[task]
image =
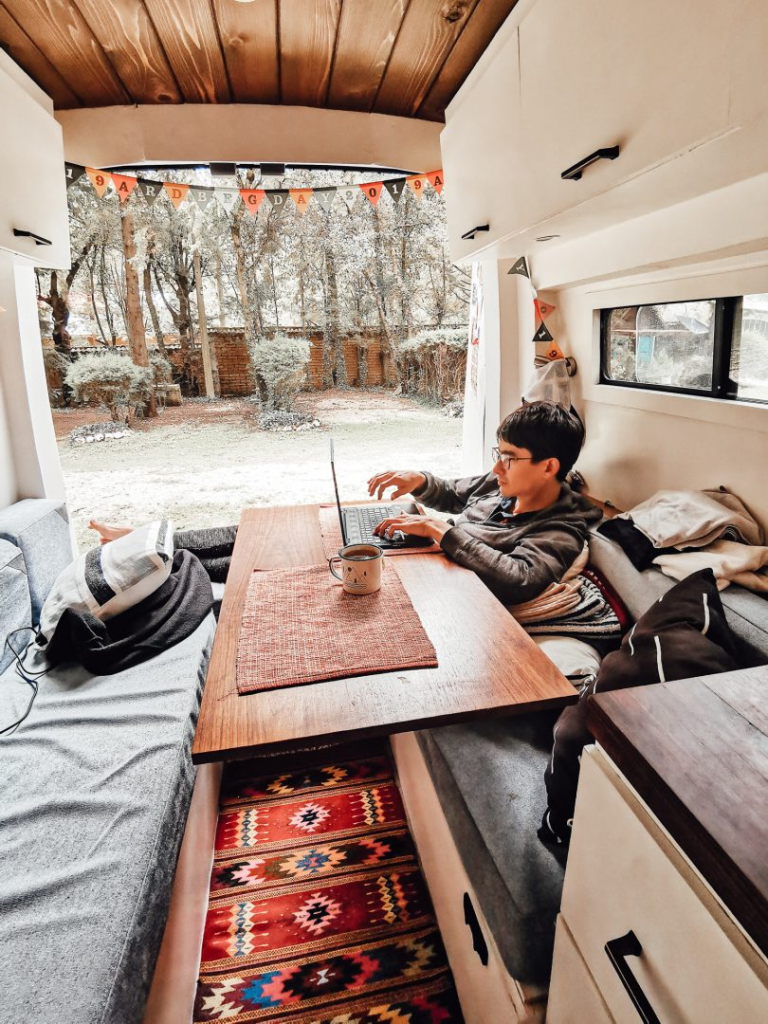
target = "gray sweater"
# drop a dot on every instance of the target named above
(517, 559)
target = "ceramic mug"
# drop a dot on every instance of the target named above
(360, 568)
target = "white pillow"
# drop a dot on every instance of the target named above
(111, 578)
(573, 657)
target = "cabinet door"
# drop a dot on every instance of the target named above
(573, 995)
(32, 186)
(652, 77)
(624, 874)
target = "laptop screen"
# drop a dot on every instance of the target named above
(338, 502)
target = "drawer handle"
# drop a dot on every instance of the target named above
(618, 950)
(39, 240)
(471, 233)
(478, 939)
(574, 173)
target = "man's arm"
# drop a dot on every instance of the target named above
(517, 576)
(442, 495)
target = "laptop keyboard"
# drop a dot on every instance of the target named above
(361, 521)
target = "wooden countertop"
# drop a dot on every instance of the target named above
(696, 751)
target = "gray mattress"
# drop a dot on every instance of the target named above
(96, 785)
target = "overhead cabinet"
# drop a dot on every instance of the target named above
(563, 80)
(33, 203)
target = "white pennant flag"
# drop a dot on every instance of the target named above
(350, 194)
(228, 198)
(325, 198)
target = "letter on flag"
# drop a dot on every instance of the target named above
(175, 193)
(301, 197)
(520, 267)
(417, 182)
(252, 197)
(124, 185)
(436, 180)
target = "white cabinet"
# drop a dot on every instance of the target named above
(674, 85)
(32, 187)
(626, 875)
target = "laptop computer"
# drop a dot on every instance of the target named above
(357, 521)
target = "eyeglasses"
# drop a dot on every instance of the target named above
(507, 460)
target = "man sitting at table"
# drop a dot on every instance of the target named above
(520, 527)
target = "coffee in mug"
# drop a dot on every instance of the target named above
(360, 566)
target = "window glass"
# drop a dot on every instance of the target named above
(749, 353)
(670, 344)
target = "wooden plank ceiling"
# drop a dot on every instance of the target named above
(405, 57)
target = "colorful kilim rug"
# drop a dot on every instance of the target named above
(318, 911)
(313, 982)
(320, 860)
(278, 824)
(240, 788)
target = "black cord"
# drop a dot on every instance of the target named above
(31, 679)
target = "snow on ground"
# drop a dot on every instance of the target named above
(203, 463)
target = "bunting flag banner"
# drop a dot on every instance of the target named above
(542, 334)
(349, 194)
(521, 267)
(202, 196)
(253, 198)
(266, 199)
(543, 309)
(279, 200)
(325, 198)
(149, 189)
(175, 192)
(435, 178)
(372, 191)
(73, 173)
(99, 180)
(228, 198)
(395, 188)
(554, 352)
(124, 185)
(301, 197)
(417, 182)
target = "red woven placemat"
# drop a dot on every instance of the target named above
(330, 534)
(299, 626)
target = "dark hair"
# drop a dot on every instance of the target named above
(548, 431)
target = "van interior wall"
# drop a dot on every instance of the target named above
(639, 442)
(7, 469)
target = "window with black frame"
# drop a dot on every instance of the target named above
(714, 347)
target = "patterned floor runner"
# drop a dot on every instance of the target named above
(318, 912)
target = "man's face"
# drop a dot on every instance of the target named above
(516, 471)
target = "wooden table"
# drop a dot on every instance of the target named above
(487, 664)
(696, 751)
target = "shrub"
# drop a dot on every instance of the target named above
(162, 370)
(281, 363)
(433, 363)
(277, 419)
(112, 380)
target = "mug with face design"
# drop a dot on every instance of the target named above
(360, 568)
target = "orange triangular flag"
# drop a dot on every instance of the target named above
(554, 351)
(436, 179)
(301, 197)
(543, 309)
(252, 197)
(124, 185)
(417, 182)
(176, 193)
(372, 191)
(99, 180)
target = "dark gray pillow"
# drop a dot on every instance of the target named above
(683, 634)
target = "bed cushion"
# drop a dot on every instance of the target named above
(96, 788)
(15, 606)
(39, 527)
(489, 778)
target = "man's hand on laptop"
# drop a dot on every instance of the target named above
(416, 526)
(404, 481)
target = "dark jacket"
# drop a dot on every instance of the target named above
(517, 560)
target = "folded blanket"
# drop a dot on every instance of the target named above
(694, 519)
(745, 564)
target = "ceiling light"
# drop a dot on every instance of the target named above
(546, 238)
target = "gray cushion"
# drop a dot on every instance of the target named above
(747, 613)
(489, 777)
(96, 788)
(40, 528)
(15, 607)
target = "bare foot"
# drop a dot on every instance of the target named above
(107, 533)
